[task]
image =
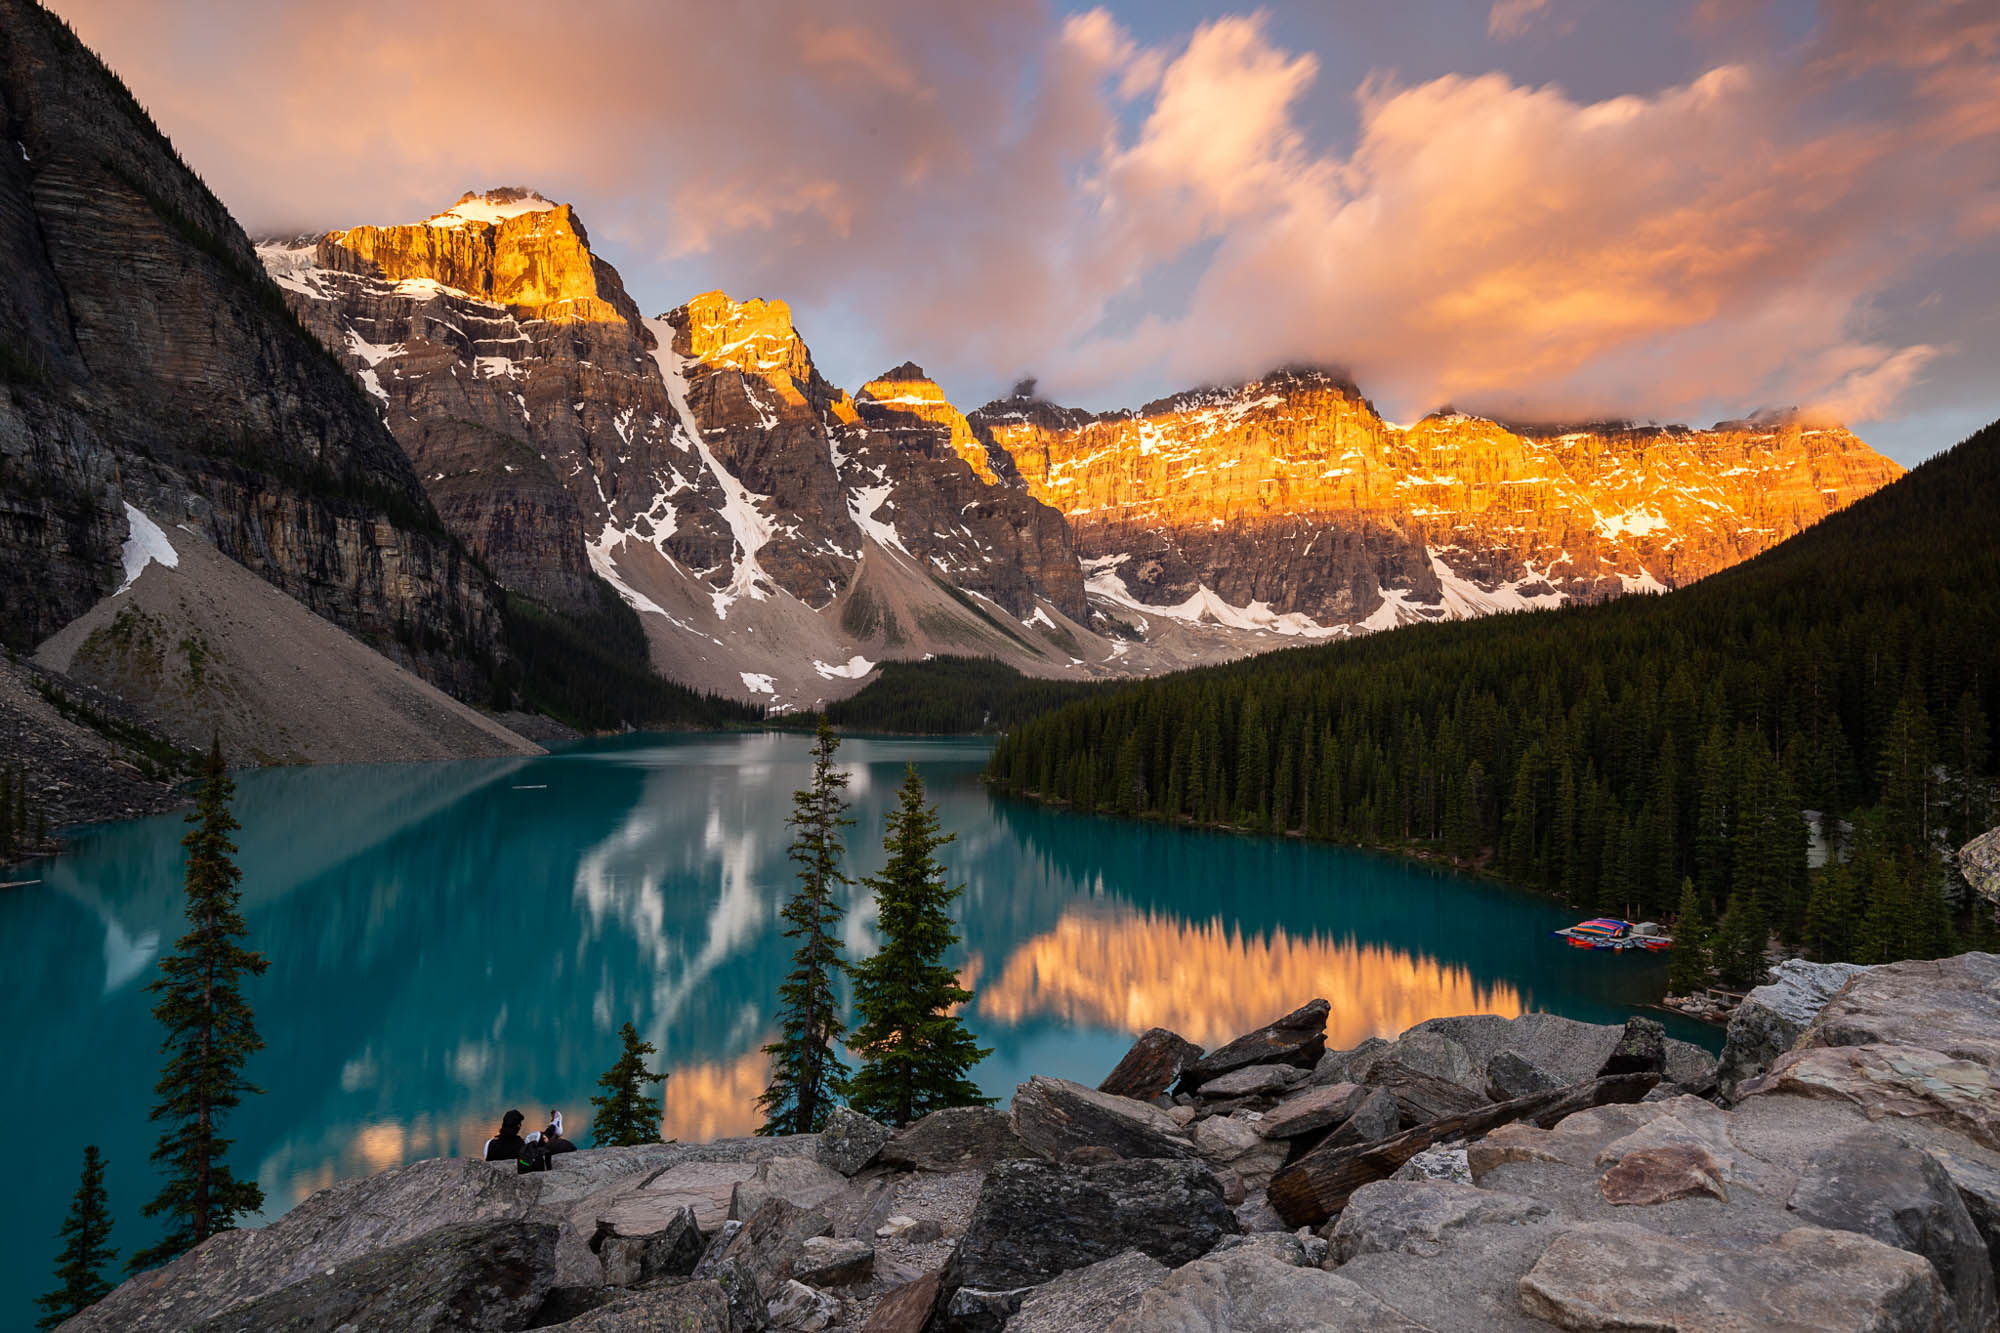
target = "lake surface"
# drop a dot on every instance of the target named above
(450, 940)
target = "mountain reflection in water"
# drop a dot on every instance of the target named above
(448, 941)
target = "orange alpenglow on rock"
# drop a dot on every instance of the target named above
(907, 392)
(510, 247)
(755, 338)
(1292, 491)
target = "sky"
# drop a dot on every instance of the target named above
(1535, 209)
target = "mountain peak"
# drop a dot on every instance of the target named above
(491, 207)
(908, 372)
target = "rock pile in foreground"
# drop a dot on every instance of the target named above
(1476, 1173)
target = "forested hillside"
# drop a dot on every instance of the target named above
(1609, 753)
(951, 696)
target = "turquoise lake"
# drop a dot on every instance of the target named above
(451, 940)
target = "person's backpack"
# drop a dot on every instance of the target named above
(534, 1157)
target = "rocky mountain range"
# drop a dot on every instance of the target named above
(146, 362)
(781, 536)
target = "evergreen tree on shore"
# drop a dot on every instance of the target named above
(915, 1053)
(210, 1034)
(806, 1075)
(625, 1116)
(1687, 961)
(86, 1238)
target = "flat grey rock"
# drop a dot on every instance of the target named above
(1772, 1017)
(1253, 1081)
(1084, 1300)
(1948, 1005)
(1873, 1183)
(1055, 1116)
(685, 1307)
(455, 1279)
(1422, 1216)
(959, 1138)
(802, 1181)
(1250, 1291)
(1809, 1280)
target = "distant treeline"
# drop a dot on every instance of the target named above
(951, 695)
(594, 672)
(1607, 753)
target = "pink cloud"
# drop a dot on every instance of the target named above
(978, 185)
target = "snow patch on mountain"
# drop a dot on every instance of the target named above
(144, 544)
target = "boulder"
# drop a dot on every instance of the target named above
(1657, 1175)
(1979, 864)
(976, 1310)
(1253, 1081)
(1772, 1018)
(684, 1307)
(1156, 1059)
(1509, 1074)
(907, 1309)
(1422, 1097)
(671, 1251)
(1433, 1053)
(771, 1243)
(473, 1275)
(1949, 1005)
(335, 1226)
(1422, 1217)
(1886, 1081)
(797, 1180)
(1348, 1066)
(1314, 1111)
(1249, 1290)
(1085, 1299)
(797, 1306)
(959, 1138)
(1875, 1184)
(1377, 1117)
(850, 1140)
(825, 1261)
(917, 1231)
(705, 1186)
(718, 1243)
(1053, 1115)
(1616, 1275)
(1235, 1144)
(1641, 1049)
(1035, 1220)
(1446, 1165)
(1300, 1249)
(1978, 1186)
(1299, 1038)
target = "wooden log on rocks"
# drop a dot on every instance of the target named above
(1317, 1186)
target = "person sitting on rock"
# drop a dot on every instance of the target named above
(552, 1135)
(506, 1145)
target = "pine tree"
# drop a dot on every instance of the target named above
(806, 1075)
(210, 1034)
(625, 1116)
(915, 1053)
(86, 1238)
(1687, 961)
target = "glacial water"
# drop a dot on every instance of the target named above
(451, 940)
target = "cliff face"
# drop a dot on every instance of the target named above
(918, 468)
(145, 355)
(515, 373)
(1294, 493)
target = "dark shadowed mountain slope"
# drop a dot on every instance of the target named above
(146, 360)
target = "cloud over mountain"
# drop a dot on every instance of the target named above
(1003, 189)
